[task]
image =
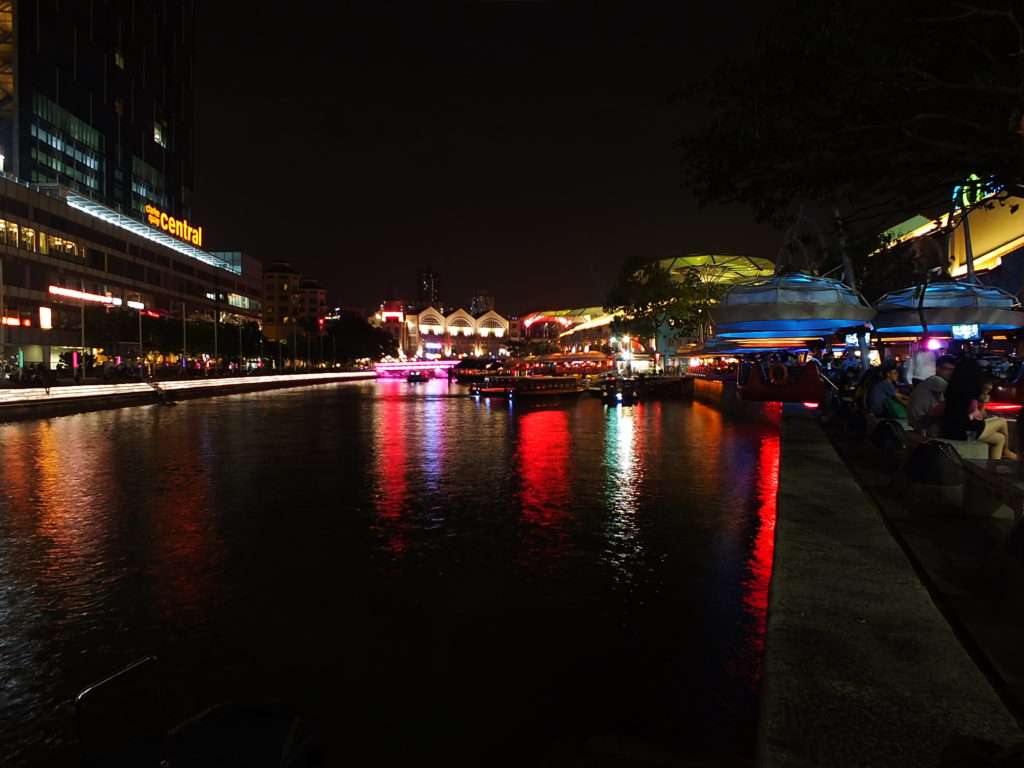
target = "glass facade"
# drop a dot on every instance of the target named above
(148, 186)
(34, 241)
(66, 150)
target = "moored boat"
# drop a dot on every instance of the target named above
(514, 387)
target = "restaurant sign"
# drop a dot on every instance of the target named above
(179, 228)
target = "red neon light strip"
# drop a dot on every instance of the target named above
(1006, 407)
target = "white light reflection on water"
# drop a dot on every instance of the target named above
(624, 479)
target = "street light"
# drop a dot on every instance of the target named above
(138, 306)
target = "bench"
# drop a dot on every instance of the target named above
(991, 486)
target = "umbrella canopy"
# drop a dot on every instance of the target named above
(716, 268)
(789, 305)
(946, 304)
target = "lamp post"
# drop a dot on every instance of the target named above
(3, 315)
(184, 340)
(82, 361)
(138, 306)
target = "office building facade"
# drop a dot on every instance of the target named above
(65, 259)
(428, 289)
(98, 98)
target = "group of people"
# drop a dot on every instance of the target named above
(29, 375)
(948, 400)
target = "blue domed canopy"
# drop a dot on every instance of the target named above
(946, 304)
(792, 304)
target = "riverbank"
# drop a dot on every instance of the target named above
(29, 403)
(861, 667)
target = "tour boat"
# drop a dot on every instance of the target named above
(621, 391)
(515, 387)
(418, 377)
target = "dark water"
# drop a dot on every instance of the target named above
(423, 576)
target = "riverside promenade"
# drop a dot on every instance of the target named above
(861, 667)
(34, 402)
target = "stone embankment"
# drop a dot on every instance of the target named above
(37, 402)
(861, 667)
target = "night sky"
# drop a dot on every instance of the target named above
(523, 147)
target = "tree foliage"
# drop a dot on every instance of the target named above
(876, 108)
(352, 338)
(656, 304)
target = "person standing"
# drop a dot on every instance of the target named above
(921, 364)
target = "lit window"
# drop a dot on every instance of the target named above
(119, 59)
(160, 133)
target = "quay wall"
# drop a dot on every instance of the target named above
(722, 394)
(860, 666)
(19, 404)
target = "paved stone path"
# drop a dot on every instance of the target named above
(861, 668)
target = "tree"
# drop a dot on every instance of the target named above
(653, 303)
(872, 110)
(353, 338)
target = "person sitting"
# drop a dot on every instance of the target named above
(884, 400)
(927, 401)
(965, 417)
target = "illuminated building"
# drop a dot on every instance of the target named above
(482, 301)
(98, 98)
(61, 251)
(310, 302)
(997, 241)
(280, 289)
(391, 317)
(432, 333)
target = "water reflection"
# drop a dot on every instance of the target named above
(543, 463)
(391, 466)
(762, 553)
(242, 539)
(624, 462)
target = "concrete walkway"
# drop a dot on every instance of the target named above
(861, 668)
(33, 402)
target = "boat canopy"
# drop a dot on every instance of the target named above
(946, 304)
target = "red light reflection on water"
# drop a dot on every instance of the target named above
(763, 550)
(543, 461)
(392, 484)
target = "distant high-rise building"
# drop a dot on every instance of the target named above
(429, 289)
(482, 301)
(97, 97)
(280, 293)
(311, 302)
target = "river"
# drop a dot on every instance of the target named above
(420, 575)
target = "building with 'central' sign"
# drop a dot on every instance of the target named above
(180, 228)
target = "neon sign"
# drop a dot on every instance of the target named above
(180, 228)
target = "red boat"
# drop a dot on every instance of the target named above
(780, 383)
